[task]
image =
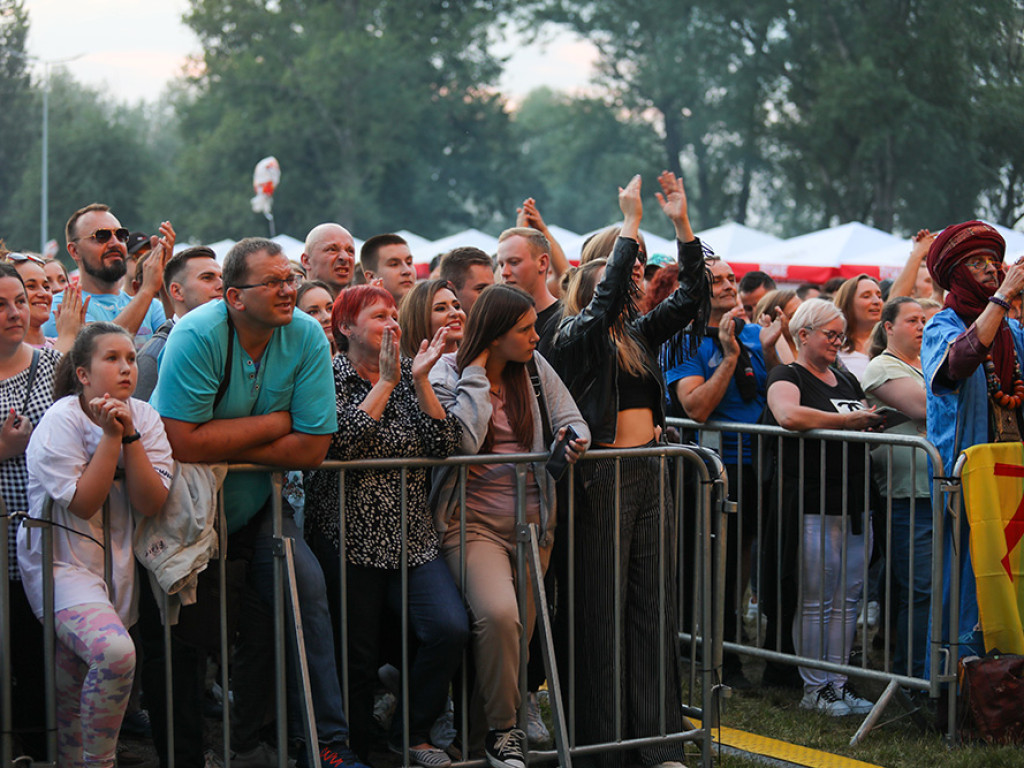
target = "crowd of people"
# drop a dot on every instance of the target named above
(123, 388)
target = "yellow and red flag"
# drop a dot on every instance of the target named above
(993, 478)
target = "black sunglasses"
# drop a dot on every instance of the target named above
(104, 234)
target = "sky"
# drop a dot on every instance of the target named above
(132, 48)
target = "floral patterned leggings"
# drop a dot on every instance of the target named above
(95, 668)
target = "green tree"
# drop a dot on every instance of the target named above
(19, 120)
(577, 152)
(98, 152)
(379, 113)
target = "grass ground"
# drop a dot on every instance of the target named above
(895, 742)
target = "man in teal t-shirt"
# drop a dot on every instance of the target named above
(248, 379)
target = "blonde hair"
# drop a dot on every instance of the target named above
(629, 354)
(812, 314)
(601, 244)
(768, 303)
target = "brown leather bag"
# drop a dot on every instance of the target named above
(991, 705)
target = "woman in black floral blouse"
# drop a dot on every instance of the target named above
(387, 408)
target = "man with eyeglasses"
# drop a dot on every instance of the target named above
(330, 256)
(726, 380)
(98, 244)
(249, 379)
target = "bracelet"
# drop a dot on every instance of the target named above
(1000, 301)
(130, 438)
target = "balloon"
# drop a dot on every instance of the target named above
(265, 179)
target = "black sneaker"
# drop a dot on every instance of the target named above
(504, 748)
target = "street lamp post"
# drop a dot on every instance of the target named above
(44, 185)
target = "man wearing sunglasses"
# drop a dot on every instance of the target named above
(99, 245)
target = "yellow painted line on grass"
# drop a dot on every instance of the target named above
(782, 750)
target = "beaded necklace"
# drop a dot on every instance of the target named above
(995, 390)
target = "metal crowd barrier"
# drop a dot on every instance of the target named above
(704, 623)
(932, 501)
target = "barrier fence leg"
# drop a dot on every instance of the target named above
(285, 547)
(528, 535)
(6, 738)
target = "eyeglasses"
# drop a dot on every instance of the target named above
(274, 283)
(103, 235)
(977, 265)
(19, 258)
(832, 336)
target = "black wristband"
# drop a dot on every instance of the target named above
(130, 438)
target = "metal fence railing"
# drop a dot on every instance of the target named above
(927, 669)
(702, 614)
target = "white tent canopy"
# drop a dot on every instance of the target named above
(817, 256)
(467, 238)
(732, 239)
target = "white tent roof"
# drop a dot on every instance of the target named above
(728, 240)
(467, 238)
(817, 256)
(292, 247)
(415, 241)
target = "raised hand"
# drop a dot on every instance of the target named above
(672, 200)
(631, 205)
(773, 329)
(727, 333)
(429, 353)
(70, 317)
(389, 364)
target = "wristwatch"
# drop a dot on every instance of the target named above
(130, 438)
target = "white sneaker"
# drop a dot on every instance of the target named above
(827, 700)
(871, 611)
(856, 704)
(752, 611)
(536, 731)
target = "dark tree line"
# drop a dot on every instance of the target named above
(784, 114)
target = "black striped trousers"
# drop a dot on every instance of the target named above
(644, 538)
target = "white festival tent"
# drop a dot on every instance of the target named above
(467, 238)
(818, 256)
(730, 240)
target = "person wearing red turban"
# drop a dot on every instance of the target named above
(971, 354)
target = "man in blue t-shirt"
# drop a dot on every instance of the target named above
(99, 245)
(726, 381)
(249, 379)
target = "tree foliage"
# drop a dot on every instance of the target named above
(377, 112)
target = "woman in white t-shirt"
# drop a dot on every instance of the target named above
(94, 435)
(894, 378)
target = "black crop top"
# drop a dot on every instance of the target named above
(637, 391)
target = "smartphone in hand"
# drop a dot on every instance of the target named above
(557, 463)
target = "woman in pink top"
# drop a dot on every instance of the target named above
(487, 386)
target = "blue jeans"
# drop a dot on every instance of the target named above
(254, 630)
(913, 587)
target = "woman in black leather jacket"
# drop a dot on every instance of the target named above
(607, 353)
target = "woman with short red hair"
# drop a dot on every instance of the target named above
(387, 409)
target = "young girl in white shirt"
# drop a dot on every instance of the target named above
(94, 443)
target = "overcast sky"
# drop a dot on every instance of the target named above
(134, 47)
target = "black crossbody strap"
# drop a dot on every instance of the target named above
(535, 380)
(223, 388)
(33, 366)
